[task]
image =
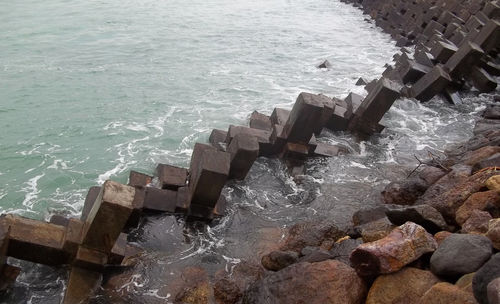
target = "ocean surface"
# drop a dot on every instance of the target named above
(92, 89)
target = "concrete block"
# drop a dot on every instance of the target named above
(474, 23)
(160, 200)
(492, 9)
(59, 219)
(488, 38)
(466, 56)
(201, 212)
(413, 71)
(452, 96)
(353, 101)
(82, 284)
(326, 150)
(220, 207)
(260, 121)
(378, 101)
(218, 139)
(431, 84)
(263, 137)
(244, 151)
(361, 81)
(73, 236)
(90, 259)
(137, 179)
(459, 37)
(492, 68)
(122, 249)
(4, 242)
(36, 241)
(171, 177)
(305, 117)
(183, 200)
(423, 57)
(369, 86)
(337, 121)
(295, 151)
(442, 51)
(108, 216)
(433, 26)
(278, 139)
(209, 172)
(279, 116)
(328, 110)
(481, 80)
(89, 201)
(8, 275)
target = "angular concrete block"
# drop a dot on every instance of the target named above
(433, 26)
(159, 200)
(452, 96)
(108, 216)
(209, 171)
(413, 71)
(90, 259)
(492, 9)
(369, 86)
(244, 151)
(488, 38)
(481, 80)
(260, 121)
(73, 236)
(431, 84)
(442, 51)
(218, 139)
(201, 212)
(337, 121)
(466, 56)
(89, 201)
(353, 102)
(82, 284)
(378, 101)
(122, 250)
(326, 150)
(474, 23)
(328, 110)
(4, 241)
(278, 139)
(295, 151)
(423, 57)
(183, 200)
(36, 241)
(220, 207)
(279, 116)
(59, 219)
(137, 179)
(263, 137)
(305, 117)
(171, 177)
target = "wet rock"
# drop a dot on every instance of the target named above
(441, 236)
(314, 283)
(493, 291)
(493, 183)
(492, 112)
(465, 282)
(449, 201)
(368, 215)
(324, 65)
(477, 222)
(404, 193)
(493, 232)
(192, 287)
(423, 215)
(229, 287)
(277, 260)
(341, 251)
(459, 254)
(310, 234)
(431, 174)
(405, 286)
(402, 246)
(487, 200)
(376, 230)
(314, 255)
(473, 157)
(492, 161)
(446, 293)
(489, 272)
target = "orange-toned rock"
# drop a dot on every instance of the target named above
(494, 232)
(473, 157)
(310, 234)
(405, 286)
(229, 287)
(193, 287)
(402, 246)
(478, 201)
(448, 202)
(477, 222)
(441, 236)
(465, 282)
(493, 183)
(376, 230)
(326, 282)
(446, 293)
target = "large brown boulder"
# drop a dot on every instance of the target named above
(375, 230)
(310, 234)
(327, 282)
(458, 174)
(402, 246)
(192, 287)
(277, 260)
(487, 200)
(446, 293)
(493, 232)
(405, 286)
(473, 157)
(493, 183)
(405, 192)
(229, 287)
(477, 222)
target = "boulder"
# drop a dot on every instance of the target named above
(459, 254)
(327, 282)
(423, 215)
(405, 286)
(310, 234)
(402, 246)
(191, 287)
(341, 251)
(473, 157)
(229, 287)
(465, 282)
(368, 215)
(277, 260)
(487, 273)
(441, 236)
(493, 291)
(404, 193)
(493, 232)
(493, 183)
(487, 200)
(446, 293)
(314, 254)
(375, 230)
(431, 174)
(477, 222)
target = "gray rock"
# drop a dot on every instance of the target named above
(405, 192)
(277, 260)
(494, 291)
(424, 215)
(314, 254)
(459, 254)
(368, 215)
(341, 251)
(489, 272)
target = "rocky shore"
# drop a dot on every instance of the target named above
(436, 238)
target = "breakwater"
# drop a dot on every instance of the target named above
(293, 144)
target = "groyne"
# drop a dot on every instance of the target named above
(456, 44)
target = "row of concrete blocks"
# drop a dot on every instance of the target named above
(450, 52)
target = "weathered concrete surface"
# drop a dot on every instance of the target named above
(244, 151)
(81, 285)
(171, 177)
